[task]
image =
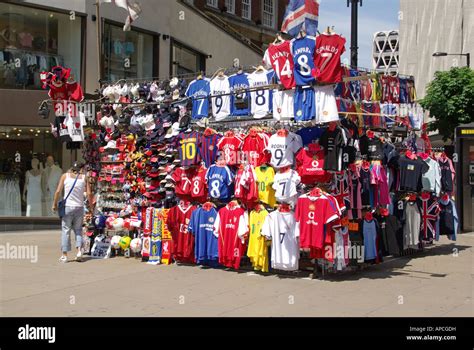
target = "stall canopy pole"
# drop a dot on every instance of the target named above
(354, 30)
(99, 40)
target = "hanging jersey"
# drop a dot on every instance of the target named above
(333, 143)
(246, 185)
(240, 104)
(285, 186)
(199, 91)
(260, 99)
(205, 242)
(303, 56)
(220, 104)
(229, 147)
(230, 227)
(310, 166)
(182, 177)
(198, 185)
(283, 149)
(188, 148)
(219, 181)
(327, 58)
(281, 228)
(304, 107)
(310, 135)
(208, 149)
(183, 242)
(257, 250)
(265, 177)
(283, 105)
(253, 148)
(312, 214)
(280, 58)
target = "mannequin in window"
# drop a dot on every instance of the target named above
(50, 180)
(32, 190)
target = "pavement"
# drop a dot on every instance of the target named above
(435, 283)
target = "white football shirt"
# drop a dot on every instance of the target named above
(284, 233)
(285, 185)
(283, 149)
(220, 104)
(260, 99)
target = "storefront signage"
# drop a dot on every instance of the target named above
(465, 132)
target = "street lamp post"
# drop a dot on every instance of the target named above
(442, 54)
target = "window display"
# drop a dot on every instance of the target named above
(29, 171)
(33, 41)
(127, 54)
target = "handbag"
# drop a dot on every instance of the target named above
(62, 203)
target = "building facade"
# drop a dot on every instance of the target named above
(385, 52)
(429, 26)
(426, 27)
(168, 39)
(256, 20)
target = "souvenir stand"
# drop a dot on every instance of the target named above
(299, 162)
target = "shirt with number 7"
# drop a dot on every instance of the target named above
(199, 91)
(327, 58)
(285, 186)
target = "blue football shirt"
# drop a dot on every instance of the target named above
(199, 91)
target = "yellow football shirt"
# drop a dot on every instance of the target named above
(257, 249)
(266, 193)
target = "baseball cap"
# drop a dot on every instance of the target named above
(173, 131)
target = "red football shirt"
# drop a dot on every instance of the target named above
(310, 167)
(254, 149)
(327, 58)
(182, 178)
(279, 57)
(230, 147)
(312, 214)
(230, 226)
(198, 185)
(177, 222)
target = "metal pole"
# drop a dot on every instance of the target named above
(354, 30)
(468, 60)
(99, 40)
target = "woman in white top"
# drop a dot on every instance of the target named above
(74, 217)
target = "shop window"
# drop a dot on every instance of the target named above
(34, 40)
(30, 169)
(186, 60)
(127, 54)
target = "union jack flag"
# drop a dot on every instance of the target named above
(301, 14)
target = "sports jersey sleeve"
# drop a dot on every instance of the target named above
(217, 224)
(176, 176)
(243, 226)
(266, 60)
(192, 227)
(267, 227)
(330, 212)
(208, 173)
(230, 177)
(298, 144)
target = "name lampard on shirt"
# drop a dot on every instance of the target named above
(302, 50)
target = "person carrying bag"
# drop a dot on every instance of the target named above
(71, 208)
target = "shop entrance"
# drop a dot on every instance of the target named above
(465, 176)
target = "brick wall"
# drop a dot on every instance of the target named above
(256, 9)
